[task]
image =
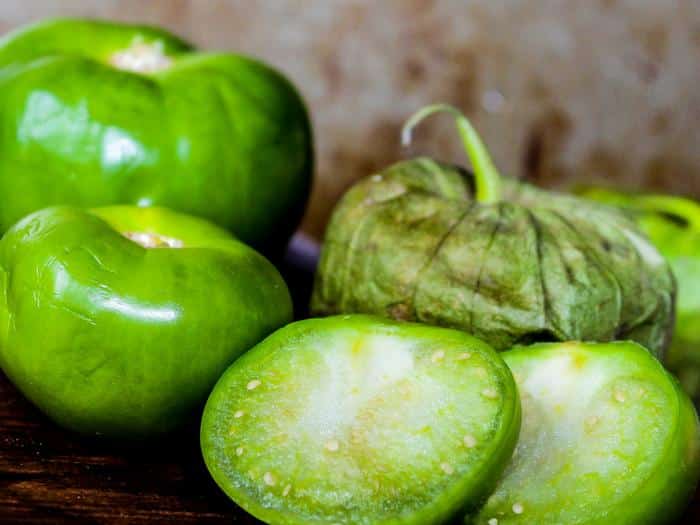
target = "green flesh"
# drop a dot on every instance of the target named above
(219, 136)
(109, 337)
(673, 225)
(359, 420)
(608, 437)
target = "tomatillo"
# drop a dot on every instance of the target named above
(361, 420)
(98, 113)
(608, 438)
(673, 225)
(493, 256)
(119, 320)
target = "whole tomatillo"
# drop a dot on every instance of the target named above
(98, 113)
(118, 321)
(491, 255)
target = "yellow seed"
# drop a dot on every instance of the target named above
(239, 413)
(332, 445)
(518, 508)
(232, 430)
(489, 393)
(239, 451)
(469, 441)
(463, 356)
(438, 356)
(269, 479)
(619, 396)
(255, 383)
(447, 468)
(286, 490)
(592, 421)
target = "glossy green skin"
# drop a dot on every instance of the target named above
(608, 438)
(215, 135)
(412, 243)
(266, 421)
(673, 225)
(108, 337)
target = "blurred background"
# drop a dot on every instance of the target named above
(563, 91)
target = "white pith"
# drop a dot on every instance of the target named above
(354, 381)
(142, 57)
(153, 240)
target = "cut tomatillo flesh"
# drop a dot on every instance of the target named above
(608, 438)
(360, 420)
(98, 113)
(118, 321)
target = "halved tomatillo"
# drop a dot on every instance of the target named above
(360, 420)
(608, 438)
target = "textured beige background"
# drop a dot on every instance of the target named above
(562, 90)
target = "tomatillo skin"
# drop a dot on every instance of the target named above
(118, 321)
(608, 438)
(361, 420)
(97, 113)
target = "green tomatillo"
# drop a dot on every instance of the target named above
(361, 420)
(673, 225)
(608, 438)
(96, 113)
(491, 255)
(118, 321)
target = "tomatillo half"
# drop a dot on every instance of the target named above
(361, 420)
(119, 320)
(98, 113)
(608, 438)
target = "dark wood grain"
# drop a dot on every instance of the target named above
(48, 475)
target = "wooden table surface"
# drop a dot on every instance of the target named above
(48, 475)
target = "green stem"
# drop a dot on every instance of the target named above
(486, 177)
